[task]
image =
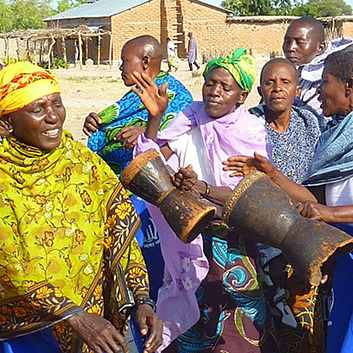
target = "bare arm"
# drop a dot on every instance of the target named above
(243, 165)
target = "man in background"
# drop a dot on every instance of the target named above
(192, 52)
(171, 55)
(304, 45)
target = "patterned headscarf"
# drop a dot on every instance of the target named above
(240, 65)
(22, 83)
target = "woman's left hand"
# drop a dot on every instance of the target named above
(154, 98)
(148, 321)
(185, 178)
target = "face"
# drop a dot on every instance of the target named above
(301, 44)
(332, 95)
(40, 123)
(130, 63)
(279, 87)
(221, 93)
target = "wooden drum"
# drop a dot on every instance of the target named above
(148, 177)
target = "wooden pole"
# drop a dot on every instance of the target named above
(50, 50)
(64, 51)
(99, 50)
(18, 49)
(80, 48)
(110, 49)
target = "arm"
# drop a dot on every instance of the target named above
(187, 179)
(319, 212)
(244, 165)
(136, 278)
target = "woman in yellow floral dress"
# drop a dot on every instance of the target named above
(70, 268)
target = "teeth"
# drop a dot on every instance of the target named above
(51, 132)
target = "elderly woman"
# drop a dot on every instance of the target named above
(233, 310)
(70, 269)
(330, 179)
(293, 134)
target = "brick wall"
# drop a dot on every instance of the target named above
(143, 19)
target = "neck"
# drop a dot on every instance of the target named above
(279, 121)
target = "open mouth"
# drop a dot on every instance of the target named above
(51, 133)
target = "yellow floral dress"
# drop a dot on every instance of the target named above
(66, 241)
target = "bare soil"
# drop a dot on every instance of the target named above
(92, 89)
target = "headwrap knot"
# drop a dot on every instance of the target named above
(240, 65)
(22, 83)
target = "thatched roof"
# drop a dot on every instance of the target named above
(42, 34)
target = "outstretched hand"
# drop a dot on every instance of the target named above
(243, 165)
(155, 99)
(185, 178)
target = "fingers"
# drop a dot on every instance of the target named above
(91, 124)
(155, 339)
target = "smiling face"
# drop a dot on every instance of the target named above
(279, 87)
(301, 44)
(332, 95)
(40, 123)
(221, 93)
(131, 61)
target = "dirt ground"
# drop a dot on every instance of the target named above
(92, 89)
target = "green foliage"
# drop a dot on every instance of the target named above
(258, 7)
(314, 8)
(64, 5)
(60, 64)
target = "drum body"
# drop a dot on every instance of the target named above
(263, 212)
(148, 177)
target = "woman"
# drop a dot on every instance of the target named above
(293, 134)
(233, 314)
(70, 270)
(329, 177)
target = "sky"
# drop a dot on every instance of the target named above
(218, 2)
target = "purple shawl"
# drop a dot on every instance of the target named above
(239, 133)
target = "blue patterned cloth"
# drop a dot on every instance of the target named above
(130, 111)
(333, 159)
(293, 150)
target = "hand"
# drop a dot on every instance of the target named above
(148, 320)
(242, 165)
(91, 124)
(155, 99)
(245, 165)
(128, 136)
(185, 178)
(100, 335)
(316, 211)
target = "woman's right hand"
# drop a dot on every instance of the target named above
(316, 211)
(244, 165)
(185, 178)
(91, 124)
(98, 333)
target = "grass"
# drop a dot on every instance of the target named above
(83, 79)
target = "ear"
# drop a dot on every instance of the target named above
(298, 90)
(146, 62)
(259, 91)
(349, 86)
(5, 125)
(321, 48)
(243, 96)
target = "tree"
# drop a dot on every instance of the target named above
(257, 7)
(6, 16)
(64, 5)
(314, 8)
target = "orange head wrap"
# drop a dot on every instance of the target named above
(22, 83)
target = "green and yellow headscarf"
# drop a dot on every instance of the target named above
(22, 83)
(240, 65)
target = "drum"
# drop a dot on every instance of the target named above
(148, 177)
(261, 211)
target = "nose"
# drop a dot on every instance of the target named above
(319, 91)
(121, 66)
(277, 86)
(215, 90)
(51, 115)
